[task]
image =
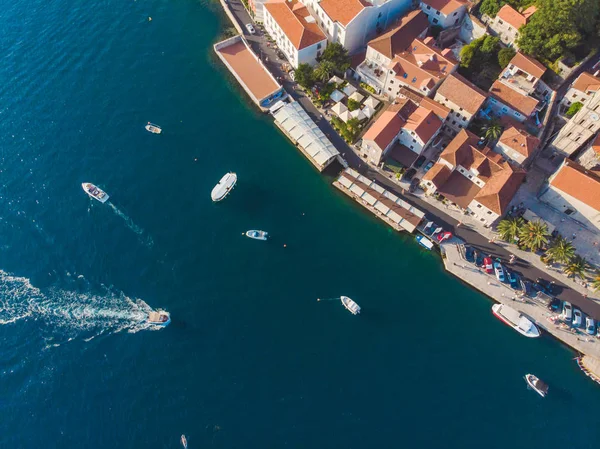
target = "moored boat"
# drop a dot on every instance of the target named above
(159, 317)
(350, 305)
(155, 129)
(184, 441)
(225, 185)
(516, 320)
(95, 192)
(537, 385)
(257, 235)
(424, 241)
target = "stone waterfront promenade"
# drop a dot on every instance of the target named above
(488, 284)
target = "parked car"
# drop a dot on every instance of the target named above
(478, 258)
(428, 166)
(487, 265)
(414, 183)
(408, 174)
(469, 254)
(546, 286)
(513, 280)
(554, 305)
(250, 28)
(499, 272)
(590, 325)
(527, 287)
(577, 318)
(567, 311)
(420, 161)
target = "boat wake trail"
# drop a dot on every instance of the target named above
(144, 238)
(67, 315)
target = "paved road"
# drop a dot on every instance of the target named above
(470, 236)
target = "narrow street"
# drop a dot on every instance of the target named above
(481, 243)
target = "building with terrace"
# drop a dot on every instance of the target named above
(507, 23)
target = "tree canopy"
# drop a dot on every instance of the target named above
(505, 55)
(337, 55)
(304, 75)
(479, 61)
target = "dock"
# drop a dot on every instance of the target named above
(393, 210)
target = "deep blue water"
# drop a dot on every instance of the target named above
(251, 359)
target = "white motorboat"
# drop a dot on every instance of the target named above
(350, 305)
(537, 385)
(95, 192)
(155, 129)
(424, 242)
(159, 317)
(516, 320)
(184, 442)
(257, 235)
(225, 185)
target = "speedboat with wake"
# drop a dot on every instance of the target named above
(537, 385)
(159, 318)
(225, 185)
(152, 128)
(516, 320)
(95, 192)
(257, 235)
(350, 305)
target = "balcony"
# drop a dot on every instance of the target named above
(519, 83)
(372, 74)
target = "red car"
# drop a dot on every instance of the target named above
(487, 265)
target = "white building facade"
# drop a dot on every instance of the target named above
(445, 13)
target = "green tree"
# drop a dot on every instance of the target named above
(533, 235)
(490, 7)
(490, 45)
(324, 71)
(492, 129)
(561, 250)
(509, 228)
(304, 75)
(576, 267)
(573, 109)
(505, 55)
(467, 54)
(338, 56)
(353, 105)
(596, 282)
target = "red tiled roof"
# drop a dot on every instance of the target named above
(511, 16)
(574, 180)
(291, 17)
(596, 144)
(529, 12)
(386, 127)
(438, 109)
(343, 11)
(462, 93)
(464, 137)
(586, 82)
(510, 97)
(438, 174)
(399, 37)
(528, 64)
(499, 191)
(424, 123)
(519, 140)
(446, 7)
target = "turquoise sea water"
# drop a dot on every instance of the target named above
(251, 359)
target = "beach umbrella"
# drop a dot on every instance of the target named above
(349, 89)
(336, 79)
(371, 102)
(358, 114)
(356, 97)
(339, 108)
(345, 116)
(336, 95)
(368, 111)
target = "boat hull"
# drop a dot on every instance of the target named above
(350, 305)
(532, 332)
(257, 235)
(529, 378)
(86, 186)
(224, 187)
(154, 129)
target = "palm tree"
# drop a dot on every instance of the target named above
(533, 235)
(576, 267)
(492, 130)
(509, 228)
(596, 282)
(561, 250)
(324, 71)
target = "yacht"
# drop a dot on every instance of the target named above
(155, 129)
(537, 385)
(257, 235)
(225, 185)
(159, 317)
(350, 305)
(95, 192)
(516, 320)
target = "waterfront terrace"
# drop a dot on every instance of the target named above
(396, 212)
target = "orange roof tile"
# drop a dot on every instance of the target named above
(529, 12)
(462, 93)
(399, 37)
(438, 109)
(291, 17)
(438, 174)
(519, 140)
(424, 123)
(446, 7)
(511, 16)
(528, 64)
(386, 127)
(584, 185)
(343, 11)
(499, 191)
(596, 144)
(586, 82)
(510, 97)
(450, 153)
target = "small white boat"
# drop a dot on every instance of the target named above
(95, 192)
(424, 242)
(537, 385)
(225, 185)
(155, 129)
(159, 317)
(257, 235)
(516, 320)
(184, 441)
(350, 305)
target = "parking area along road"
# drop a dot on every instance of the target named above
(269, 56)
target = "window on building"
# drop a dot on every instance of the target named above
(500, 22)
(379, 16)
(479, 205)
(318, 46)
(435, 20)
(454, 122)
(414, 79)
(412, 147)
(581, 122)
(414, 140)
(569, 135)
(569, 211)
(459, 125)
(405, 75)
(460, 109)
(470, 176)
(575, 95)
(517, 114)
(591, 126)
(437, 13)
(509, 29)
(577, 139)
(390, 89)
(455, 13)
(482, 219)
(489, 212)
(428, 7)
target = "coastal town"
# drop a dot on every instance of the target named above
(442, 119)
